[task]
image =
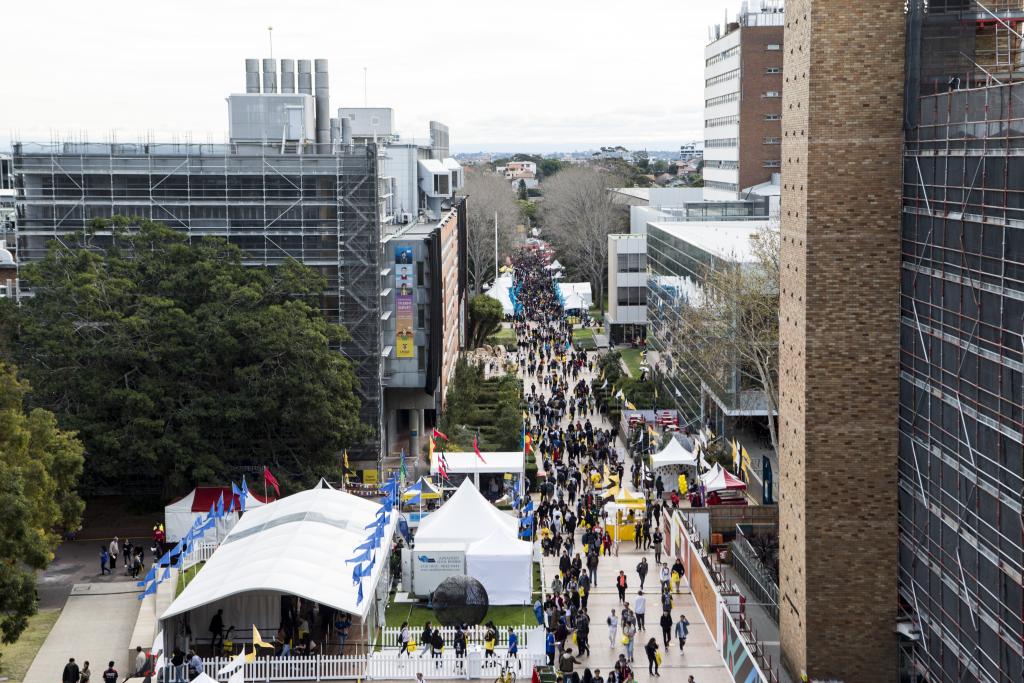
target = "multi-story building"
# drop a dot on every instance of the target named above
(902, 355)
(743, 102)
(291, 183)
(626, 317)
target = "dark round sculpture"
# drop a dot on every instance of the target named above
(460, 600)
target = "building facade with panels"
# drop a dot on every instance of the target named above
(961, 372)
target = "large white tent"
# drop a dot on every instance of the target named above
(494, 462)
(576, 294)
(674, 453)
(503, 567)
(297, 546)
(500, 291)
(494, 554)
(180, 515)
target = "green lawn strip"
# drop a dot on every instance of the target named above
(631, 357)
(16, 658)
(185, 577)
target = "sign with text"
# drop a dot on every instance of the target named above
(431, 567)
(405, 282)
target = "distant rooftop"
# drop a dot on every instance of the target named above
(729, 240)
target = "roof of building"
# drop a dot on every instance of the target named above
(643, 193)
(730, 240)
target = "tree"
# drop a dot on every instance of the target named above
(485, 316)
(521, 191)
(737, 318)
(488, 194)
(579, 215)
(175, 362)
(548, 167)
(659, 166)
(40, 466)
(527, 211)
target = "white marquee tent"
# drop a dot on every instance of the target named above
(494, 462)
(296, 546)
(668, 463)
(576, 294)
(719, 479)
(180, 515)
(499, 291)
(489, 538)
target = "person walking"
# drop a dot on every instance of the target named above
(641, 570)
(682, 630)
(653, 657)
(621, 584)
(549, 646)
(104, 560)
(114, 549)
(513, 643)
(85, 674)
(216, 630)
(640, 609)
(71, 672)
(141, 658)
(628, 636)
(565, 666)
(404, 636)
(613, 629)
(666, 628)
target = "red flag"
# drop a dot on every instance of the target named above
(442, 466)
(476, 449)
(272, 480)
(440, 434)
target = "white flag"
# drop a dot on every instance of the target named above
(235, 664)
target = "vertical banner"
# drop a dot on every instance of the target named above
(405, 281)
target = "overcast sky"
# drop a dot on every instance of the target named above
(526, 75)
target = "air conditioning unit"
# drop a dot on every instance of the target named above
(406, 217)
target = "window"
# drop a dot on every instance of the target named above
(773, 93)
(421, 316)
(632, 296)
(722, 99)
(773, 117)
(721, 163)
(773, 47)
(419, 273)
(772, 141)
(723, 55)
(720, 142)
(773, 70)
(721, 121)
(717, 185)
(722, 78)
(773, 163)
(442, 183)
(632, 263)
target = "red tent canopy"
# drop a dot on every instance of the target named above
(719, 479)
(205, 496)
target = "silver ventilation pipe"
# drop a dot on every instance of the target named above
(323, 105)
(269, 76)
(305, 77)
(252, 75)
(346, 131)
(335, 130)
(288, 75)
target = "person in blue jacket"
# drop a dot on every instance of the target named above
(538, 612)
(549, 647)
(513, 643)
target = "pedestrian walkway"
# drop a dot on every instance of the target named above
(94, 626)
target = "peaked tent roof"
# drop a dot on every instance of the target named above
(467, 517)
(499, 291)
(674, 453)
(498, 544)
(297, 546)
(718, 479)
(201, 498)
(422, 487)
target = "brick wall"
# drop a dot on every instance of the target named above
(841, 171)
(755, 58)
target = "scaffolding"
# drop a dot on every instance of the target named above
(318, 204)
(961, 460)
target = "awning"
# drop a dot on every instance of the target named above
(718, 479)
(673, 454)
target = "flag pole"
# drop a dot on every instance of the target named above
(264, 482)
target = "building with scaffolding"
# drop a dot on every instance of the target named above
(292, 182)
(961, 422)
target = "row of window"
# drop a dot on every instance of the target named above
(632, 296)
(720, 142)
(721, 56)
(632, 263)
(721, 121)
(722, 78)
(722, 99)
(718, 185)
(721, 163)
(773, 117)
(772, 163)
(772, 141)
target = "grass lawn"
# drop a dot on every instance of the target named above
(505, 336)
(584, 338)
(16, 658)
(631, 357)
(186, 576)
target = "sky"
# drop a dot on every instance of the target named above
(530, 75)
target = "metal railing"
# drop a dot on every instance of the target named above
(199, 552)
(474, 635)
(760, 583)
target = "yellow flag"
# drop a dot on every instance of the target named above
(735, 455)
(257, 641)
(630, 406)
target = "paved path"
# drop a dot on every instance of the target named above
(700, 657)
(95, 626)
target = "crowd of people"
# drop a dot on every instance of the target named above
(577, 459)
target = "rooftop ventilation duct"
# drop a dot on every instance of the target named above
(252, 75)
(287, 75)
(305, 77)
(269, 76)
(323, 106)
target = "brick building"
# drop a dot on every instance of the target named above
(743, 103)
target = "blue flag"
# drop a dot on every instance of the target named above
(150, 575)
(370, 544)
(379, 522)
(359, 596)
(150, 590)
(363, 557)
(167, 574)
(235, 491)
(220, 505)
(245, 492)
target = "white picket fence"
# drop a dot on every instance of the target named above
(199, 552)
(378, 666)
(474, 635)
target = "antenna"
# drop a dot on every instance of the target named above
(270, 37)
(365, 105)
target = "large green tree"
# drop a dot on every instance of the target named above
(174, 361)
(40, 465)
